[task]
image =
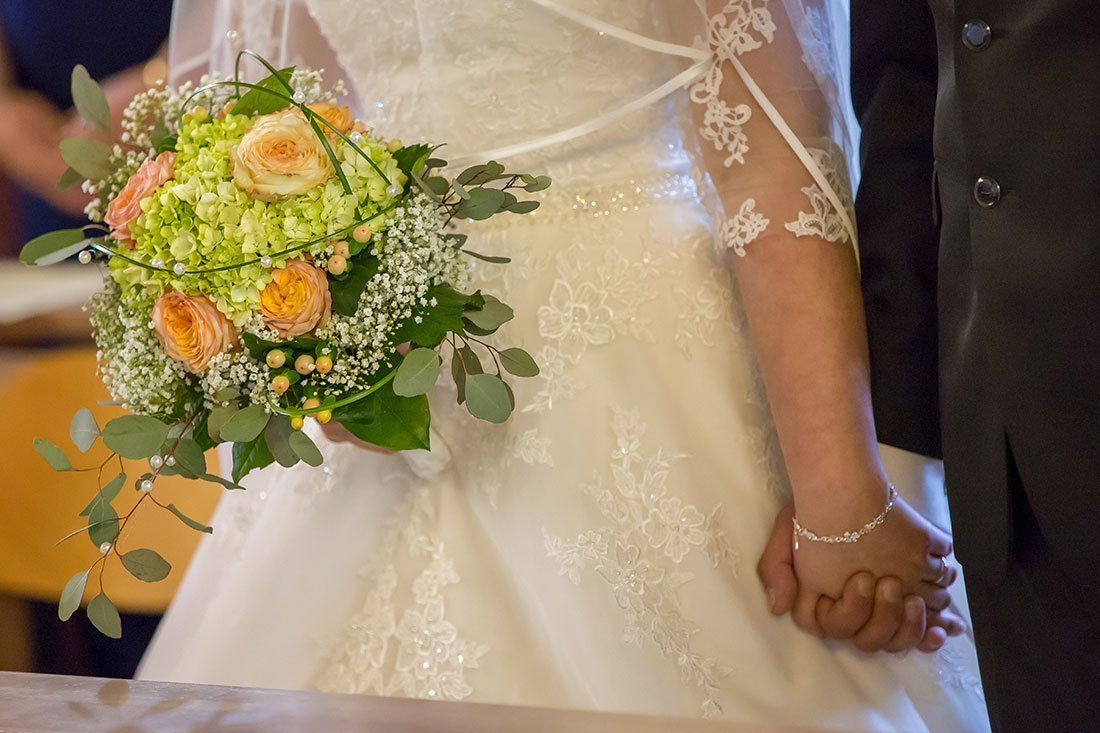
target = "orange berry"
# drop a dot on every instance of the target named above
(361, 233)
(341, 249)
(337, 265)
(297, 423)
(276, 358)
(311, 404)
(324, 364)
(280, 384)
(304, 364)
(323, 416)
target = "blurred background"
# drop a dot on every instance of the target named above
(47, 358)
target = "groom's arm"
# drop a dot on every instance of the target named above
(894, 73)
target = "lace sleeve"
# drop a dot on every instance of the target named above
(772, 125)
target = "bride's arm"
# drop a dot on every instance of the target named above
(800, 287)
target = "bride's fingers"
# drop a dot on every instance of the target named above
(842, 619)
(912, 629)
(934, 638)
(804, 614)
(776, 565)
(886, 619)
(939, 544)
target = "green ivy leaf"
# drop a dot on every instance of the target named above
(146, 565)
(102, 523)
(83, 430)
(48, 248)
(72, 595)
(104, 616)
(482, 204)
(90, 158)
(305, 448)
(519, 362)
(346, 291)
(417, 373)
(53, 455)
(69, 179)
(107, 494)
(135, 436)
(258, 102)
(491, 316)
(245, 425)
(277, 435)
(190, 456)
(217, 419)
(248, 455)
(412, 157)
(487, 398)
(189, 521)
(90, 101)
(398, 423)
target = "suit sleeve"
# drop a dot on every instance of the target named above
(894, 73)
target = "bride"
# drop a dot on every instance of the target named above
(597, 551)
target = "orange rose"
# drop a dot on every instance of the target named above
(280, 156)
(338, 116)
(192, 329)
(296, 300)
(126, 207)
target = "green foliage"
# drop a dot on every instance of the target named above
(71, 596)
(413, 159)
(107, 494)
(53, 455)
(491, 316)
(245, 425)
(216, 479)
(217, 419)
(83, 430)
(438, 320)
(90, 101)
(135, 436)
(277, 435)
(146, 565)
(189, 521)
(69, 179)
(481, 204)
(261, 102)
(488, 258)
(190, 456)
(102, 523)
(348, 288)
(305, 448)
(417, 373)
(519, 362)
(395, 423)
(53, 247)
(104, 616)
(249, 455)
(487, 398)
(90, 158)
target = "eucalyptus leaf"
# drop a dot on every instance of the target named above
(305, 448)
(249, 455)
(523, 207)
(90, 158)
(437, 185)
(107, 494)
(460, 190)
(135, 436)
(69, 179)
(487, 398)
(458, 374)
(245, 425)
(104, 616)
(277, 436)
(83, 430)
(53, 455)
(90, 101)
(72, 595)
(145, 564)
(488, 258)
(519, 362)
(102, 524)
(417, 373)
(189, 521)
(491, 316)
(538, 184)
(38, 249)
(216, 479)
(217, 419)
(190, 456)
(482, 204)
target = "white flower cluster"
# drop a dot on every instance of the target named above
(311, 83)
(238, 370)
(413, 257)
(132, 362)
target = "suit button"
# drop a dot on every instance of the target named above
(987, 192)
(976, 35)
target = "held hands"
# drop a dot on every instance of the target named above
(831, 589)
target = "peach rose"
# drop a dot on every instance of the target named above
(296, 300)
(126, 207)
(338, 116)
(192, 329)
(280, 156)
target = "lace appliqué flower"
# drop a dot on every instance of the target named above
(638, 553)
(744, 228)
(824, 220)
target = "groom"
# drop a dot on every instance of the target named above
(979, 214)
(979, 217)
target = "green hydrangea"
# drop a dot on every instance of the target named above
(203, 219)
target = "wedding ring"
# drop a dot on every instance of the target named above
(942, 577)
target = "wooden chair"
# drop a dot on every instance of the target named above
(39, 506)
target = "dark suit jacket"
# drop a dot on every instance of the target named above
(1014, 262)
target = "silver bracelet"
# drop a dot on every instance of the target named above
(848, 537)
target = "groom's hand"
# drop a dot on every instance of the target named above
(872, 616)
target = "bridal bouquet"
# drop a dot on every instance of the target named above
(268, 261)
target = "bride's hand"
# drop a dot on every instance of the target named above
(905, 546)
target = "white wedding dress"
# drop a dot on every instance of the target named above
(598, 550)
